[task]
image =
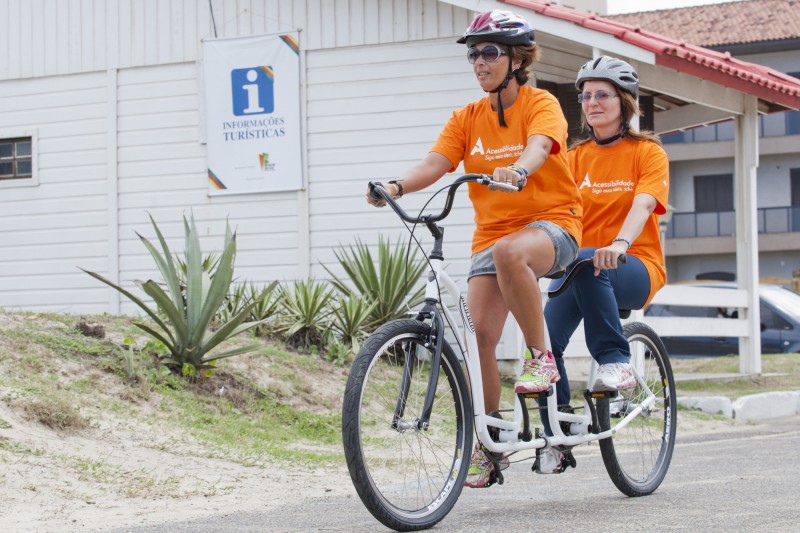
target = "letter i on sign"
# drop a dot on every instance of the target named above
(252, 91)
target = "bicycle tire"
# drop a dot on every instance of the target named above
(409, 479)
(638, 456)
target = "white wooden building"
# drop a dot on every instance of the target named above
(110, 94)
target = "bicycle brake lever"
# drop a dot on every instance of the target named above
(375, 195)
(492, 184)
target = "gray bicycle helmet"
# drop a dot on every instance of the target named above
(606, 68)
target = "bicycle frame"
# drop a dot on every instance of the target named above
(434, 309)
(510, 429)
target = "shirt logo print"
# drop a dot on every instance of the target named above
(478, 148)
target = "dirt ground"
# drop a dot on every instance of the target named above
(83, 483)
(127, 470)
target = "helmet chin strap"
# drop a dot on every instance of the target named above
(602, 142)
(502, 86)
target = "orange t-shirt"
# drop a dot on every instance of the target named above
(608, 179)
(473, 134)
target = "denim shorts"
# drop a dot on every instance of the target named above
(565, 247)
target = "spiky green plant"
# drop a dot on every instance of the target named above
(267, 303)
(190, 310)
(233, 303)
(305, 319)
(391, 286)
(351, 318)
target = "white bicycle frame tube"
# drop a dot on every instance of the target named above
(510, 430)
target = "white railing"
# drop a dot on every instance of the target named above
(665, 326)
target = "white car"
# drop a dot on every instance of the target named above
(780, 323)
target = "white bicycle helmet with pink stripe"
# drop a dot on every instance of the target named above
(497, 26)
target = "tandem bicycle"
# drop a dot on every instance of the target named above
(414, 399)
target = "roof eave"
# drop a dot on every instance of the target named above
(697, 61)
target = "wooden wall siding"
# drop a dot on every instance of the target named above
(47, 231)
(372, 113)
(374, 107)
(50, 37)
(162, 171)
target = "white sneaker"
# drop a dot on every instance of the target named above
(553, 461)
(614, 376)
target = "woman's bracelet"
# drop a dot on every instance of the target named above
(519, 169)
(626, 241)
(399, 184)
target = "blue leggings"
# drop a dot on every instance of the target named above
(596, 300)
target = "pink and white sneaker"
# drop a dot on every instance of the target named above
(614, 376)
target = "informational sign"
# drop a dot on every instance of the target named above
(252, 100)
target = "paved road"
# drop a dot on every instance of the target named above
(738, 481)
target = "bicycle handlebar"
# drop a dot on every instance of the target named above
(377, 192)
(572, 272)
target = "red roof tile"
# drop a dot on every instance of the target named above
(767, 84)
(720, 24)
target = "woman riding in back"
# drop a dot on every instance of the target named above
(518, 135)
(623, 177)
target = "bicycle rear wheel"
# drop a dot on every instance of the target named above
(408, 478)
(637, 457)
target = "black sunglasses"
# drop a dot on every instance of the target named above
(490, 54)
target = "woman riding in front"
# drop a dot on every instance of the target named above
(518, 135)
(623, 177)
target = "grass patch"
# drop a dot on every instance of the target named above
(254, 426)
(54, 412)
(51, 371)
(780, 372)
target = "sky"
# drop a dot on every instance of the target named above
(615, 7)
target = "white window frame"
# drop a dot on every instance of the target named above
(33, 181)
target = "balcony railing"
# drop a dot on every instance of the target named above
(770, 220)
(775, 125)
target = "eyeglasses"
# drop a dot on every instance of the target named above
(490, 54)
(599, 96)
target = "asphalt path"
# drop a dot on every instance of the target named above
(743, 480)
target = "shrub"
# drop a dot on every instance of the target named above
(389, 287)
(190, 308)
(306, 308)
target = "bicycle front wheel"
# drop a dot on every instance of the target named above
(408, 477)
(637, 457)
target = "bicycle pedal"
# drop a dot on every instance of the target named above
(603, 393)
(540, 394)
(569, 460)
(498, 478)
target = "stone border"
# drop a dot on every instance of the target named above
(751, 407)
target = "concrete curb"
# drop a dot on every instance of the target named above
(751, 407)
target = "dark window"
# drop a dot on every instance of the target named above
(793, 117)
(567, 96)
(713, 193)
(646, 121)
(772, 320)
(793, 123)
(15, 158)
(795, 192)
(795, 184)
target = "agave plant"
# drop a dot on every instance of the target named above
(267, 303)
(306, 312)
(189, 310)
(389, 286)
(233, 303)
(351, 318)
